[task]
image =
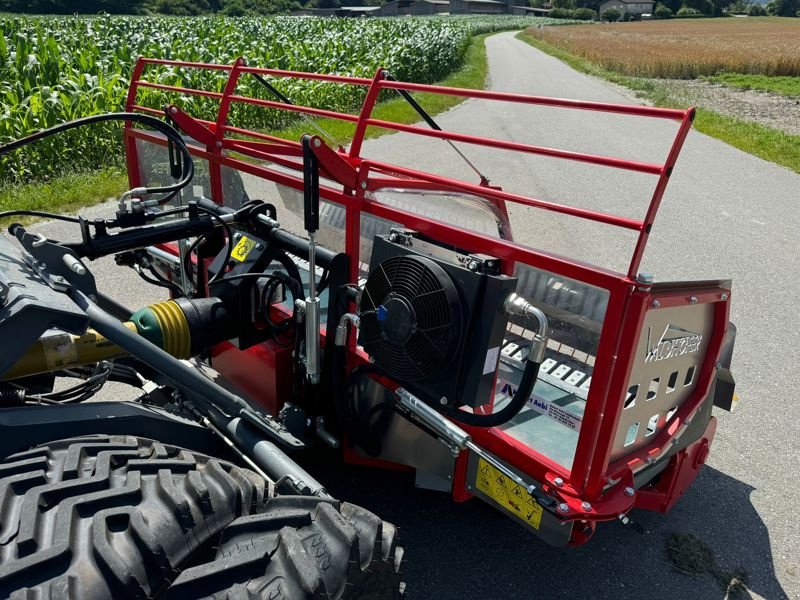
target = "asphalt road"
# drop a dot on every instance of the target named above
(726, 214)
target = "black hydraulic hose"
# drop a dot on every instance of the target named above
(170, 132)
(510, 410)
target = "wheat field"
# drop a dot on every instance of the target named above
(685, 49)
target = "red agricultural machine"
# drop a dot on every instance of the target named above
(325, 301)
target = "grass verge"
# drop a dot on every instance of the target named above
(764, 142)
(71, 192)
(785, 86)
(65, 194)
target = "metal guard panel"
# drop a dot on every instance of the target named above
(671, 350)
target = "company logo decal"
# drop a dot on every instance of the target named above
(674, 342)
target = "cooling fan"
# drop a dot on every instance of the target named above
(411, 318)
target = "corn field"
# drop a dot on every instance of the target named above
(57, 69)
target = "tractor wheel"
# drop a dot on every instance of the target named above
(125, 517)
(301, 547)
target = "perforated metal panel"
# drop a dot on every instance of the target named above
(669, 354)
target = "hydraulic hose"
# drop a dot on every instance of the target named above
(510, 410)
(169, 132)
(515, 305)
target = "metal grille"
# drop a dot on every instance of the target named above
(671, 348)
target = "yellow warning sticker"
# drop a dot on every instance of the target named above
(242, 249)
(508, 494)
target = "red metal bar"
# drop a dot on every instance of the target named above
(214, 168)
(596, 402)
(188, 65)
(307, 110)
(625, 109)
(131, 153)
(146, 109)
(180, 90)
(508, 196)
(617, 163)
(306, 75)
(366, 110)
(658, 194)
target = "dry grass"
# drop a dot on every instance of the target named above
(685, 49)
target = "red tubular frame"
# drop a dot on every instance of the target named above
(356, 174)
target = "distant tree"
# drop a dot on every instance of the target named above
(783, 8)
(537, 3)
(182, 8)
(662, 12)
(756, 10)
(703, 7)
(584, 14)
(561, 13)
(234, 8)
(65, 7)
(568, 4)
(739, 7)
(611, 15)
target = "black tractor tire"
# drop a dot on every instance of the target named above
(301, 547)
(100, 517)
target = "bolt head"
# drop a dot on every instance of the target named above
(443, 401)
(563, 508)
(723, 297)
(558, 482)
(692, 299)
(317, 143)
(218, 144)
(645, 278)
(629, 491)
(363, 185)
(656, 304)
(586, 506)
(173, 110)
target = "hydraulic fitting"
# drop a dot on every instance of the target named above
(516, 305)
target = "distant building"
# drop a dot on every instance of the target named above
(396, 8)
(629, 7)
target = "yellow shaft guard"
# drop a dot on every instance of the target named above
(163, 323)
(63, 350)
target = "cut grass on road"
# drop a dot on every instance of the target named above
(766, 143)
(72, 192)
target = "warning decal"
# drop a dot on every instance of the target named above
(242, 249)
(508, 494)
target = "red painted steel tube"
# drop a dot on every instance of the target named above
(308, 110)
(214, 167)
(658, 194)
(366, 110)
(131, 152)
(188, 65)
(261, 136)
(597, 400)
(179, 89)
(306, 75)
(616, 163)
(508, 196)
(625, 109)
